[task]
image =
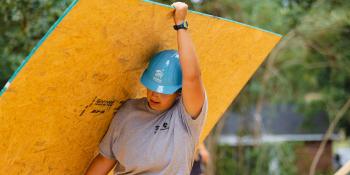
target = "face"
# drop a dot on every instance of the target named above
(160, 102)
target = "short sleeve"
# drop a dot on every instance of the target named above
(106, 145)
(194, 126)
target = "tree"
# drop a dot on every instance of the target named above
(23, 24)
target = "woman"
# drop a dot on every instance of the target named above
(158, 134)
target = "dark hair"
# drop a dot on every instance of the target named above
(179, 90)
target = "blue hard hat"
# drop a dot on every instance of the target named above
(163, 74)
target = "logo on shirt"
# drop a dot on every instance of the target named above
(165, 126)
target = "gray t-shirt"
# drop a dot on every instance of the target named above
(145, 141)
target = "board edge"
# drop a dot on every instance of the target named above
(217, 17)
(27, 58)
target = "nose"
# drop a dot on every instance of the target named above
(155, 94)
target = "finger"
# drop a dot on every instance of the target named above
(174, 4)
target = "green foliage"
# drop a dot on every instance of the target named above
(23, 24)
(312, 69)
(270, 159)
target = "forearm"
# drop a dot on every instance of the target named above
(188, 58)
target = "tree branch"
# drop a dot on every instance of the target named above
(330, 130)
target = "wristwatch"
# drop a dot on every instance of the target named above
(183, 25)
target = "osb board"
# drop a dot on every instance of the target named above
(57, 106)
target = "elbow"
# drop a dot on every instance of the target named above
(192, 77)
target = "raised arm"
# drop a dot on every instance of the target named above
(192, 86)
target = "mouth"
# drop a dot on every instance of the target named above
(154, 102)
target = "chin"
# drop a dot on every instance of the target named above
(158, 108)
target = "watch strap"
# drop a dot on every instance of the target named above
(183, 25)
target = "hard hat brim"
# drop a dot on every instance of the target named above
(152, 85)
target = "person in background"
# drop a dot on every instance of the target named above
(201, 160)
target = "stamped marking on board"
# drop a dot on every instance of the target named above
(98, 106)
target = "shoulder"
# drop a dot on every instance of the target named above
(129, 105)
(203, 111)
(130, 102)
(179, 101)
(125, 108)
(135, 103)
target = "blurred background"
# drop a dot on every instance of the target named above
(291, 118)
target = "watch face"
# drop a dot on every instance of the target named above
(186, 24)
